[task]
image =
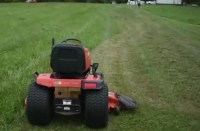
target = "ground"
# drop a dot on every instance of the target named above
(149, 53)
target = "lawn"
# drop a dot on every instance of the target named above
(187, 14)
(150, 54)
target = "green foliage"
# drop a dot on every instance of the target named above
(192, 1)
(80, 1)
(93, 1)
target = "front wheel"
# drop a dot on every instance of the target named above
(117, 110)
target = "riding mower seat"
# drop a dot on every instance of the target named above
(68, 61)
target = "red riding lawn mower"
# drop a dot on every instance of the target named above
(74, 87)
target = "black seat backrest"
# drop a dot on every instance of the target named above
(67, 59)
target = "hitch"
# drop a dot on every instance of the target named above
(35, 75)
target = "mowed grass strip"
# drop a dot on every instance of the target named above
(152, 59)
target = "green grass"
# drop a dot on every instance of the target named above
(27, 31)
(153, 59)
(182, 13)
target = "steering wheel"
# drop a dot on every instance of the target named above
(71, 39)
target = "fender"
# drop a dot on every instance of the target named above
(93, 82)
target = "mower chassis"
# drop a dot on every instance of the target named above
(92, 100)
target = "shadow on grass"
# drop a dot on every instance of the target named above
(75, 120)
(79, 120)
(72, 122)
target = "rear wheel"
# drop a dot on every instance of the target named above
(39, 108)
(96, 108)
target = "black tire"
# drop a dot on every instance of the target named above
(96, 108)
(39, 108)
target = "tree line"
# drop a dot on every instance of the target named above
(81, 1)
(95, 1)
